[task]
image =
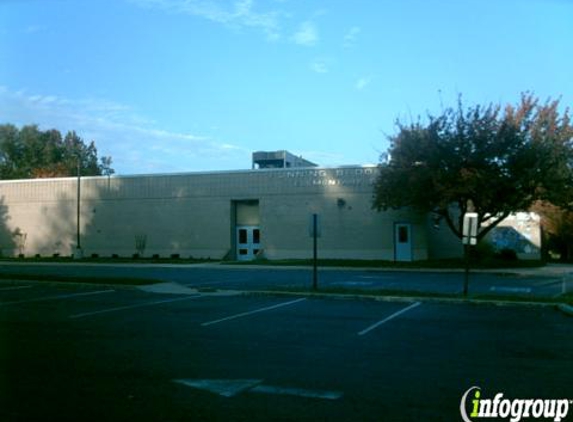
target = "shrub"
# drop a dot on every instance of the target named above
(507, 254)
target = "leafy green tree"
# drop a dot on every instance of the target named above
(557, 226)
(31, 153)
(489, 160)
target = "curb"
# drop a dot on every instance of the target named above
(445, 300)
(566, 309)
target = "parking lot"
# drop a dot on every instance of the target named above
(80, 352)
(502, 282)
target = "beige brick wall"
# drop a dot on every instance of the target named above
(191, 214)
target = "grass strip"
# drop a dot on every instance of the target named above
(108, 260)
(127, 281)
(363, 263)
(388, 293)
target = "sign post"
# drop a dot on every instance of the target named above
(469, 238)
(314, 231)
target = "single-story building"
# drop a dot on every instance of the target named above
(244, 214)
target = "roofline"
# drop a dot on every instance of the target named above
(192, 173)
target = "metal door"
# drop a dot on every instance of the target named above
(248, 242)
(402, 242)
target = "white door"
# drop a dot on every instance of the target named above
(403, 242)
(248, 242)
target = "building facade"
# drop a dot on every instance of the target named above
(236, 215)
(233, 215)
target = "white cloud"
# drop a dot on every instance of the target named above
(135, 142)
(362, 83)
(351, 36)
(240, 14)
(319, 66)
(307, 34)
(34, 29)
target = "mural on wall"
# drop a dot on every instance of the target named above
(521, 234)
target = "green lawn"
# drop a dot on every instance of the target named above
(431, 264)
(127, 281)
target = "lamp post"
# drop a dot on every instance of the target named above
(78, 251)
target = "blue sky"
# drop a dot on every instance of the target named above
(193, 85)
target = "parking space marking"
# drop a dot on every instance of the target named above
(391, 317)
(58, 297)
(298, 392)
(139, 305)
(256, 311)
(232, 387)
(510, 289)
(14, 288)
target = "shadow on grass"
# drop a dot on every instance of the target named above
(430, 264)
(125, 281)
(107, 260)
(415, 295)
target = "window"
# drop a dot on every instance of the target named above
(256, 236)
(243, 251)
(402, 234)
(242, 236)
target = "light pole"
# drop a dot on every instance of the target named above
(78, 251)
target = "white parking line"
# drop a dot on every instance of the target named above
(139, 305)
(508, 289)
(256, 311)
(42, 299)
(298, 392)
(391, 317)
(14, 288)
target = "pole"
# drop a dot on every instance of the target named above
(314, 251)
(78, 244)
(467, 269)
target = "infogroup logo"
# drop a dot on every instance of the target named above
(515, 409)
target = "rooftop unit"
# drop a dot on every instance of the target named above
(279, 159)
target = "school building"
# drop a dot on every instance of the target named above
(263, 212)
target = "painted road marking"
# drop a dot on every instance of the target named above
(256, 311)
(352, 283)
(230, 388)
(14, 288)
(298, 392)
(225, 388)
(42, 299)
(139, 305)
(391, 317)
(507, 289)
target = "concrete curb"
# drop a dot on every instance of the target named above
(566, 309)
(168, 288)
(445, 300)
(536, 271)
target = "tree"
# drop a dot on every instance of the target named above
(30, 153)
(482, 159)
(557, 226)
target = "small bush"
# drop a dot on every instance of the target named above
(482, 251)
(507, 254)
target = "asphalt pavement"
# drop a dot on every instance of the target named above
(80, 352)
(545, 282)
